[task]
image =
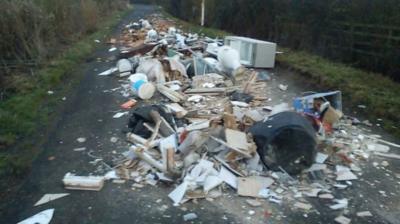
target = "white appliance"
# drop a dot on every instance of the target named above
(253, 52)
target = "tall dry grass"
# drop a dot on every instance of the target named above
(31, 31)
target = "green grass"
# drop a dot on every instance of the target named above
(29, 110)
(380, 94)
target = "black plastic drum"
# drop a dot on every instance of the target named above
(285, 140)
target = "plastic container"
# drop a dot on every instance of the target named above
(141, 87)
(229, 58)
(124, 65)
(286, 140)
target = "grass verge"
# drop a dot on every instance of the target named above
(30, 110)
(378, 93)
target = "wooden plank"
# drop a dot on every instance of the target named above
(230, 121)
(157, 119)
(170, 94)
(150, 128)
(148, 159)
(248, 85)
(177, 109)
(170, 159)
(165, 127)
(205, 90)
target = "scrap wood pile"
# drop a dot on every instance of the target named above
(206, 125)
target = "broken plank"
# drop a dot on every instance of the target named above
(198, 125)
(170, 94)
(165, 128)
(148, 159)
(230, 121)
(138, 140)
(170, 159)
(204, 94)
(248, 84)
(177, 109)
(150, 128)
(157, 120)
(205, 90)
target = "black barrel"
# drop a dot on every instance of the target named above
(285, 140)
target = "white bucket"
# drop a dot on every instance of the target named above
(141, 87)
(172, 31)
(152, 35)
(229, 58)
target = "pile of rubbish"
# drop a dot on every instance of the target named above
(201, 121)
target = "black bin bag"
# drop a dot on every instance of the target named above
(285, 140)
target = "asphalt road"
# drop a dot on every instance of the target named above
(88, 113)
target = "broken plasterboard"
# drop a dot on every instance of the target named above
(236, 139)
(177, 194)
(312, 193)
(320, 157)
(228, 177)
(109, 71)
(254, 203)
(242, 152)
(50, 197)
(120, 114)
(198, 125)
(43, 217)
(326, 196)
(168, 142)
(342, 220)
(251, 186)
(211, 182)
(340, 204)
(316, 167)
(254, 115)
(302, 205)
(345, 175)
(364, 214)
